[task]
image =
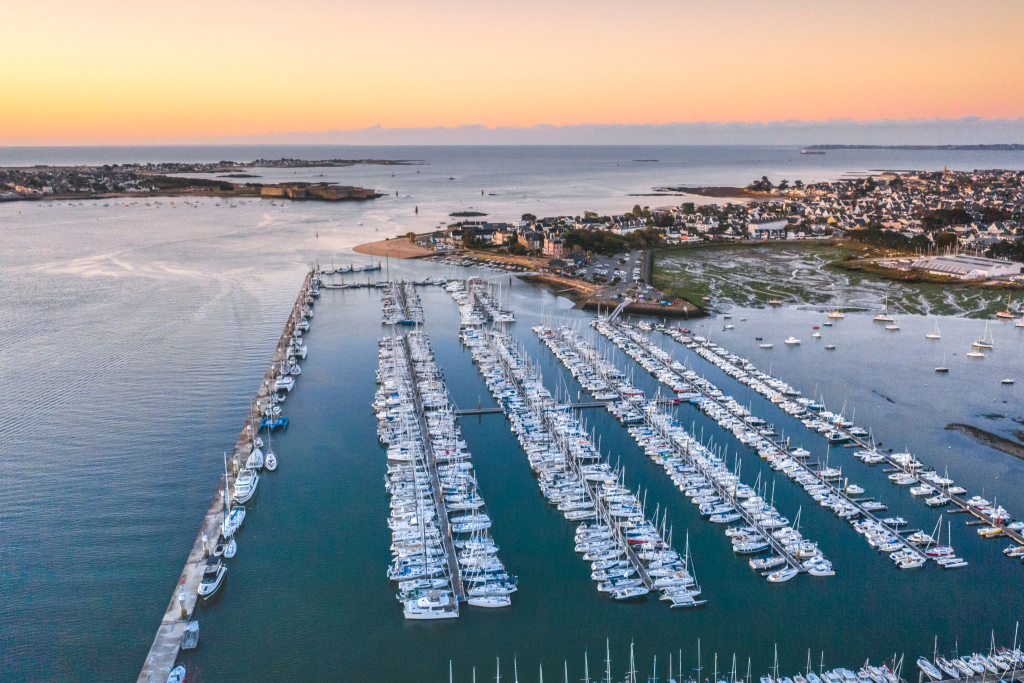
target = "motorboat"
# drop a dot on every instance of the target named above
(213, 578)
(177, 674)
(782, 575)
(245, 485)
(435, 605)
(765, 346)
(929, 669)
(792, 341)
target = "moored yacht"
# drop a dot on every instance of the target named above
(213, 579)
(245, 485)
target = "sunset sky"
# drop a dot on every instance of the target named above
(108, 71)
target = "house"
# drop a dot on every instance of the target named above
(530, 240)
(554, 247)
(767, 228)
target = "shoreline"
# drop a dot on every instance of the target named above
(397, 247)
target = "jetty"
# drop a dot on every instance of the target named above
(163, 653)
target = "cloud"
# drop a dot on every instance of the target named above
(937, 131)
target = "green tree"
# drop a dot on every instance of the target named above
(469, 238)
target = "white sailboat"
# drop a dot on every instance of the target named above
(986, 341)
(884, 316)
(935, 334)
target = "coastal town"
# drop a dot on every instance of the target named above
(960, 225)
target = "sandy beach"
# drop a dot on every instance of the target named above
(399, 247)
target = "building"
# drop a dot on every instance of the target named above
(530, 240)
(965, 267)
(767, 228)
(554, 247)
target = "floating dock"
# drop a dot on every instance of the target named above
(163, 654)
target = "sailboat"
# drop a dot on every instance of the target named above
(1007, 314)
(943, 367)
(986, 341)
(270, 459)
(884, 316)
(894, 326)
(1019, 323)
(935, 334)
(836, 315)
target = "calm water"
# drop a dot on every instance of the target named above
(131, 338)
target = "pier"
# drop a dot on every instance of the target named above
(163, 653)
(435, 482)
(494, 411)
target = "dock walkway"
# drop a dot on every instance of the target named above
(600, 505)
(493, 411)
(431, 462)
(163, 653)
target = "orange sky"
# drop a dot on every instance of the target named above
(109, 71)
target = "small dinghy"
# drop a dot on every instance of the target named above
(190, 638)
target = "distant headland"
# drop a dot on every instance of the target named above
(43, 182)
(1014, 147)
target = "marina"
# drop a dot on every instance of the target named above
(629, 554)
(698, 472)
(817, 480)
(934, 488)
(111, 474)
